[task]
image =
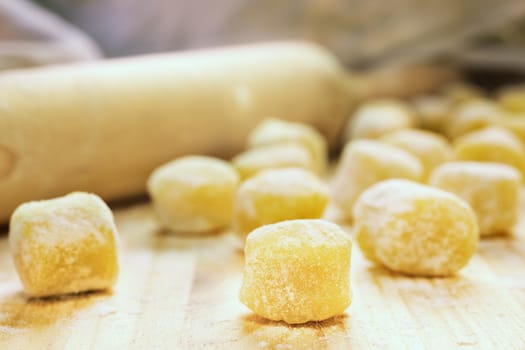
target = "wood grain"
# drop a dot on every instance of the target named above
(179, 292)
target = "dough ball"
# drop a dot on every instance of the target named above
(415, 229)
(512, 99)
(276, 131)
(470, 116)
(366, 162)
(491, 144)
(491, 189)
(64, 245)
(277, 195)
(286, 155)
(377, 118)
(430, 148)
(194, 193)
(297, 271)
(433, 112)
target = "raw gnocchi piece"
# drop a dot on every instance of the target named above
(194, 193)
(277, 195)
(415, 229)
(297, 271)
(432, 112)
(430, 148)
(276, 131)
(491, 144)
(64, 245)
(515, 124)
(491, 189)
(255, 160)
(459, 92)
(470, 116)
(365, 162)
(512, 99)
(376, 118)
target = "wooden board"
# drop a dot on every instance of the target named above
(182, 293)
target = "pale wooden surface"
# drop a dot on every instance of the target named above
(181, 293)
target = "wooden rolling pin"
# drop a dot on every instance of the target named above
(102, 127)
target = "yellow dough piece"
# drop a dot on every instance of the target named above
(512, 99)
(277, 195)
(430, 148)
(492, 144)
(415, 229)
(297, 271)
(459, 92)
(194, 193)
(64, 245)
(255, 160)
(365, 162)
(376, 118)
(491, 189)
(515, 124)
(276, 131)
(432, 112)
(470, 116)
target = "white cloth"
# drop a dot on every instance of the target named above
(360, 32)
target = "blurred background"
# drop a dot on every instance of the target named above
(475, 35)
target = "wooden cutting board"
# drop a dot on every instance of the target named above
(179, 292)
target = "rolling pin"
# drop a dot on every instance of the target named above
(102, 127)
